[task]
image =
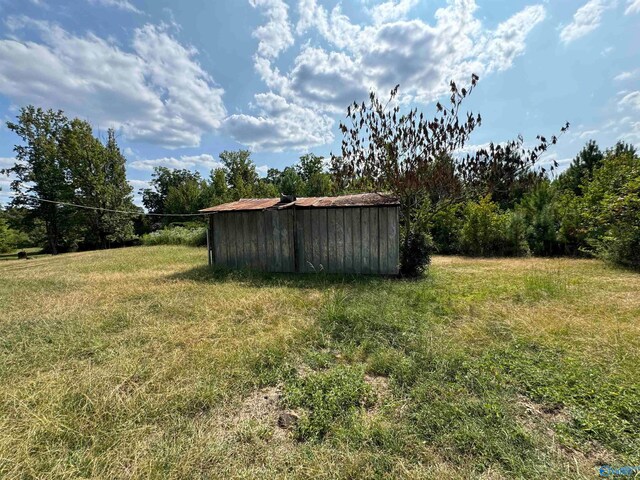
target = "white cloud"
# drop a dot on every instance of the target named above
(6, 162)
(280, 125)
(139, 184)
(185, 161)
(157, 92)
(274, 36)
(588, 134)
(630, 75)
(632, 134)
(120, 4)
(352, 59)
(633, 6)
(392, 10)
(586, 19)
(623, 76)
(631, 100)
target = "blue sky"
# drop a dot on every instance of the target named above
(182, 81)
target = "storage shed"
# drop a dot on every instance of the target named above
(345, 234)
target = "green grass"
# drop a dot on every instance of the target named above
(145, 363)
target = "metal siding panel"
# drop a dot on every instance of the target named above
(364, 235)
(339, 265)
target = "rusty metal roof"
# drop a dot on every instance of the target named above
(357, 200)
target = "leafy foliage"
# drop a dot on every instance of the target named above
(194, 237)
(60, 160)
(410, 155)
(612, 209)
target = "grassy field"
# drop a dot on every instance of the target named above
(145, 363)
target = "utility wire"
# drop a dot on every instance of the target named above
(129, 212)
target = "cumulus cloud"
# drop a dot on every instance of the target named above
(352, 59)
(631, 100)
(120, 4)
(588, 134)
(633, 6)
(6, 162)
(586, 19)
(157, 92)
(392, 10)
(275, 35)
(622, 76)
(280, 125)
(185, 161)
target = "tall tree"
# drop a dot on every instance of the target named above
(162, 181)
(317, 182)
(98, 176)
(580, 172)
(386, 149)
(241, 172)
(39, 171)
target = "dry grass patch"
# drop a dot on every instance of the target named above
(144, 363)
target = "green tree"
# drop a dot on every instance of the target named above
(186, 197)
(242, 176)
(290, 182)
(40, 172)
(97, 173)
(483, 233)
(387, 148)
(10, 239)
(163, 180)
(580, 172)
(538, 208)
(317, 182)
(611, 208)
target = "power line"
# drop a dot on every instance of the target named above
(128, 212)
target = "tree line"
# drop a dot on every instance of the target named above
(498, 200)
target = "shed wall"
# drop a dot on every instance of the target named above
(261, 240)
(336, 240)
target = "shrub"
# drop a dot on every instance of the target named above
(516, 235)
(445, 227)
(415, 253)
(484, 230)
(539, 208)
(612, 209)
(194, 237)
(10, 239)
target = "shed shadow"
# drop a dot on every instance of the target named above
(254, 278)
